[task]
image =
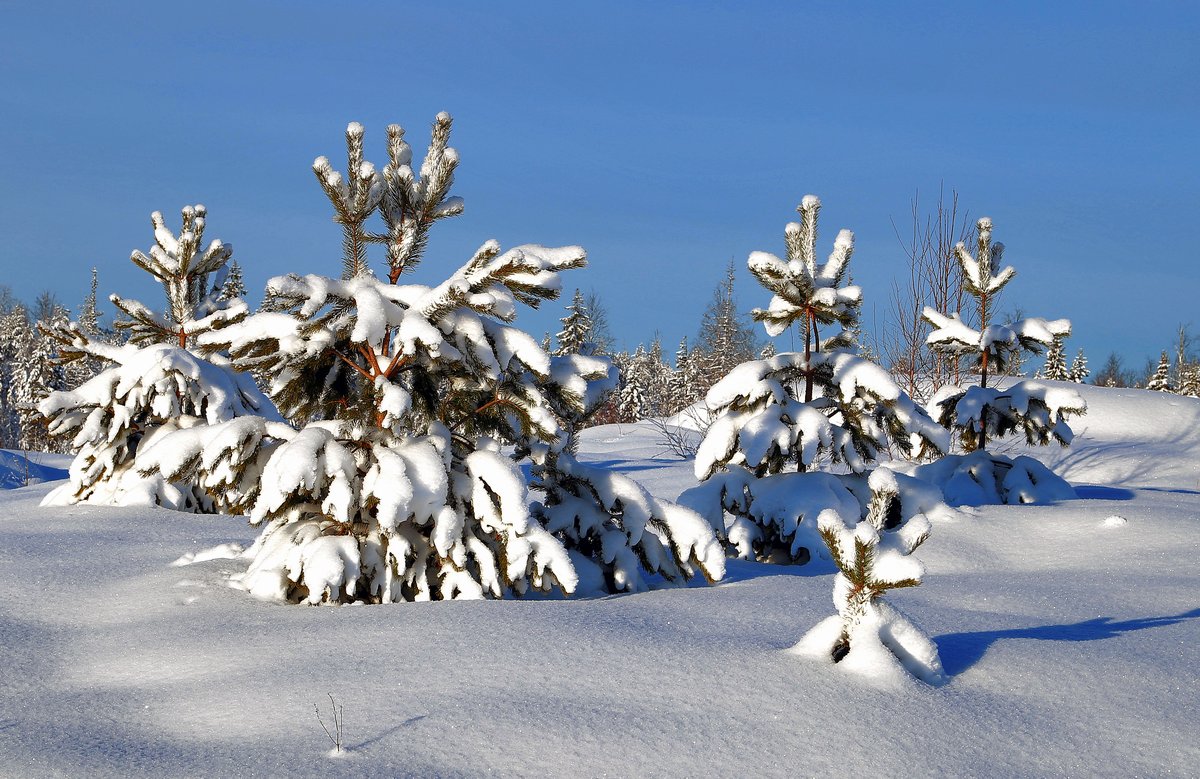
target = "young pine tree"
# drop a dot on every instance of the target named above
(787, 412)
(868, 636)
(979, 414)
(162, 380)
(392, 482)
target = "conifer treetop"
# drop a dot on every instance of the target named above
(978, 276)
(184, 269)
(802, 287)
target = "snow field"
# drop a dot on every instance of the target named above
(1071, 647)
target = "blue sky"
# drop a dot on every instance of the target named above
(666, 138)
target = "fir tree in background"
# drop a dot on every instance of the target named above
(576, 326)
(89, 314)
(391, 483)
(76, 372)
(16, 342)
(233, 287)
(1079, 369)
(981, 413)
(1160, 381)
(1056, 362)
(726, 338)
(161, 381)
(1189, 382)
(37, 374)
(632, 401)
(681, 385)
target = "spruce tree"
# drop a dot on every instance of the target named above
(1079, 368)
(1189, 381)
(16, 343)
(393, 482)
(726, 339)
(576, 326)
(633, 396)
(1160, 381)
(232, 287)
(38, 373)
(1056, 362)
(680, 387)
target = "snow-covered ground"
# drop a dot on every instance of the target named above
(1072, 640)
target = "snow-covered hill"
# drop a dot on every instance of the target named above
(1071, 633)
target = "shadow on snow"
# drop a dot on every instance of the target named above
(1097, 492)
(960, 651)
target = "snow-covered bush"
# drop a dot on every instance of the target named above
(393, 481)
(978, 414)
(794, 409)
(162, 380)
(868, 636)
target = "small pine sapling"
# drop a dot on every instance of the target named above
(868, 636)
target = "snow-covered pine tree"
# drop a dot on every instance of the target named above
(576, 326)
(788, 411)
(1079, 368)
(1056, 362)
(981, 413)
(1160, 381)
(160, 381)
(616, 532)
(391, 484)
(867, 636)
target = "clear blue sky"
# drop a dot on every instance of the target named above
(666, 138)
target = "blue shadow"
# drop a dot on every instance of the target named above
(960, 651)
(1096, 492)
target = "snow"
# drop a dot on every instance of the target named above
(1069, 645)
